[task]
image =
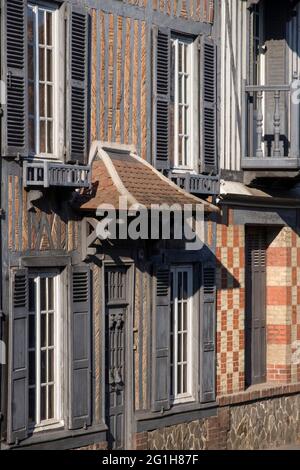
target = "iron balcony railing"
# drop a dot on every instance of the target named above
(52, 174)
(272, 121)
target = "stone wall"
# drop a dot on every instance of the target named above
(265, 424)
(246, 421)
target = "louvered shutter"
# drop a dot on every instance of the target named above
(80, 348)
(15, 122)
(18, 357)
(161, 97)
(208, 108)
(256, 245)
(77, 86)
(207, 337)
(161, 340)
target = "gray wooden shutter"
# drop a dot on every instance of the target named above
(161, 97)
(256, 245)
(80, 348)
(207, 338)
(15, 123)
(77, 84)
(17, 428)
(208, 106)
(161, 340)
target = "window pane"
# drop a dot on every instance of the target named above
(43, 366)
(31, 98)
(49, 137)
(42, 64)
(180, 57)
(30, 63)
(32, 405)
(43, 404)
(41, 27)
(49, 28)
(30, 31)
(179, 381)
(185, 285)
(31, 331)
(50, 293)
(43, 330)
(42, 100)
(49, 102)
(31, 135)
(50, 365)
(179, 353)
(50, 329)
(31, 295)
(32, 368)
(49, 66)
(184, 385)
(51, 402)
(184, 315)
(184, 348)
(42, 137)
(179, 325)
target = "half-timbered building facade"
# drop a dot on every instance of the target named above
(107, 340)
(108, 109)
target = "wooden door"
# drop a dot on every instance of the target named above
(115, 355)
(256, 305)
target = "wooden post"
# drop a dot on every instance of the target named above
(277, 152)
(259, 125)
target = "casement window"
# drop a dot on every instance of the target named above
(49, 368)
(184, 98)
(45, 67)
(184, 329)
(43, 83)
(44, 350)
(181, 327)
(184, 101)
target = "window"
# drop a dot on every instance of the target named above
(184, 98)
(42, 80)
(257, 42)
(181, 333)
(44, 350)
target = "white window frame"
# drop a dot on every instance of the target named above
(57, 421)
(59, 59)
(192, 154)
(189, 394)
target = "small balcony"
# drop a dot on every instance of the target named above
(47, 174)
(196, 184)
(271, 128)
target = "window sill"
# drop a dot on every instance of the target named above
(186, 412)
(63, 439)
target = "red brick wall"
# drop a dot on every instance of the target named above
(282, 309)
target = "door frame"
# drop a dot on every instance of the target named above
(129, 343)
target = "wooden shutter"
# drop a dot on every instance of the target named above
(207, 337)
(18, 357)
(161, 97)
(256, 305)
(77, 86)
(208, 106)
(161, 340)
(80, 348)
(15, 123)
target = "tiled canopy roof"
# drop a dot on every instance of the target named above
(118, 173)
